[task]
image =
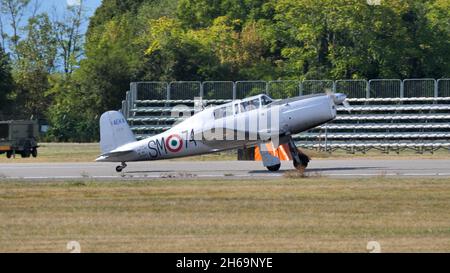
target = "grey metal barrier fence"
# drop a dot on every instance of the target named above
(353, 88)
(184, 90)
(309, 87)
(250, 88)
(443, 86)
(385, 88)
(283, 89)
(226, 90)
(413, 88)
(219, 90)
(151, 90)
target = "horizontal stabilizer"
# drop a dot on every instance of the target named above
(108, 156)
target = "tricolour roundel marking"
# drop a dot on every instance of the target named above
(174, 143)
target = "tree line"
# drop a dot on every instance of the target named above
(55, 72)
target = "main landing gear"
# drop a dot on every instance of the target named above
(120, 168)
(304, 161)
(301, 160)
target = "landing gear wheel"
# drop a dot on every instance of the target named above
(120, 168)
(304, 161)
(274, 168)
(300, 167)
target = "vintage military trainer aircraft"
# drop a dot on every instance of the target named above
(251, 122)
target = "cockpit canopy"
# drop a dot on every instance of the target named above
(241, 106)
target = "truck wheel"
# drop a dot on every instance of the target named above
(34, 152)
(25, 154)
(9, 154)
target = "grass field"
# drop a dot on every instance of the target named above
(74, 152)
(286, 215)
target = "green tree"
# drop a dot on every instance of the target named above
(110, 9)
(351, 39)
(71, 115)
(69, 37)
(37, 62)
(202, 13)
(113, 61)
(14, 10)
(6, 81)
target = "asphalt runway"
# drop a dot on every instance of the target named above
(222, 169)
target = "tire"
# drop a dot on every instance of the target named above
(303, 164)
(9, 154)
(274, 168)
(119, 169)
(25, 154)
(304, 159)
(34, 152)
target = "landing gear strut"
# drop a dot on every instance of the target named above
(120, 168)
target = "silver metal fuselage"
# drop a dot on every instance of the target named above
(205, 133)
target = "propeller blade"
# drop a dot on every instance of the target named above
(347, 106)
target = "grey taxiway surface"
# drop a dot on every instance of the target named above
(222, 169)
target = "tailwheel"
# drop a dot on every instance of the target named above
(120, 168)
(274, 168)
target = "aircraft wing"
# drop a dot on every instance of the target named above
(218, 139)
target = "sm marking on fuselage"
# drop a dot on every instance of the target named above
(174, 143)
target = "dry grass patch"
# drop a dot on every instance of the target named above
(314, 214)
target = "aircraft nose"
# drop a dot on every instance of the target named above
(339, 98)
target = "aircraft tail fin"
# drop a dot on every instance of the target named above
(114, 131)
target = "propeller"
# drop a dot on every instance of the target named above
(341, 99)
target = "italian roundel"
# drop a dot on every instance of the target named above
(174, 143)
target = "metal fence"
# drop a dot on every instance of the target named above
(222, 90)
(385, 88)
(250, 88)
(184, 90)
(228, 90)
(317, 86)
(443, 87)
(413, 88)
(353, 88)
(283, 89)
(150, 90)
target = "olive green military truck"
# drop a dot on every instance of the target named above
(19, 138)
